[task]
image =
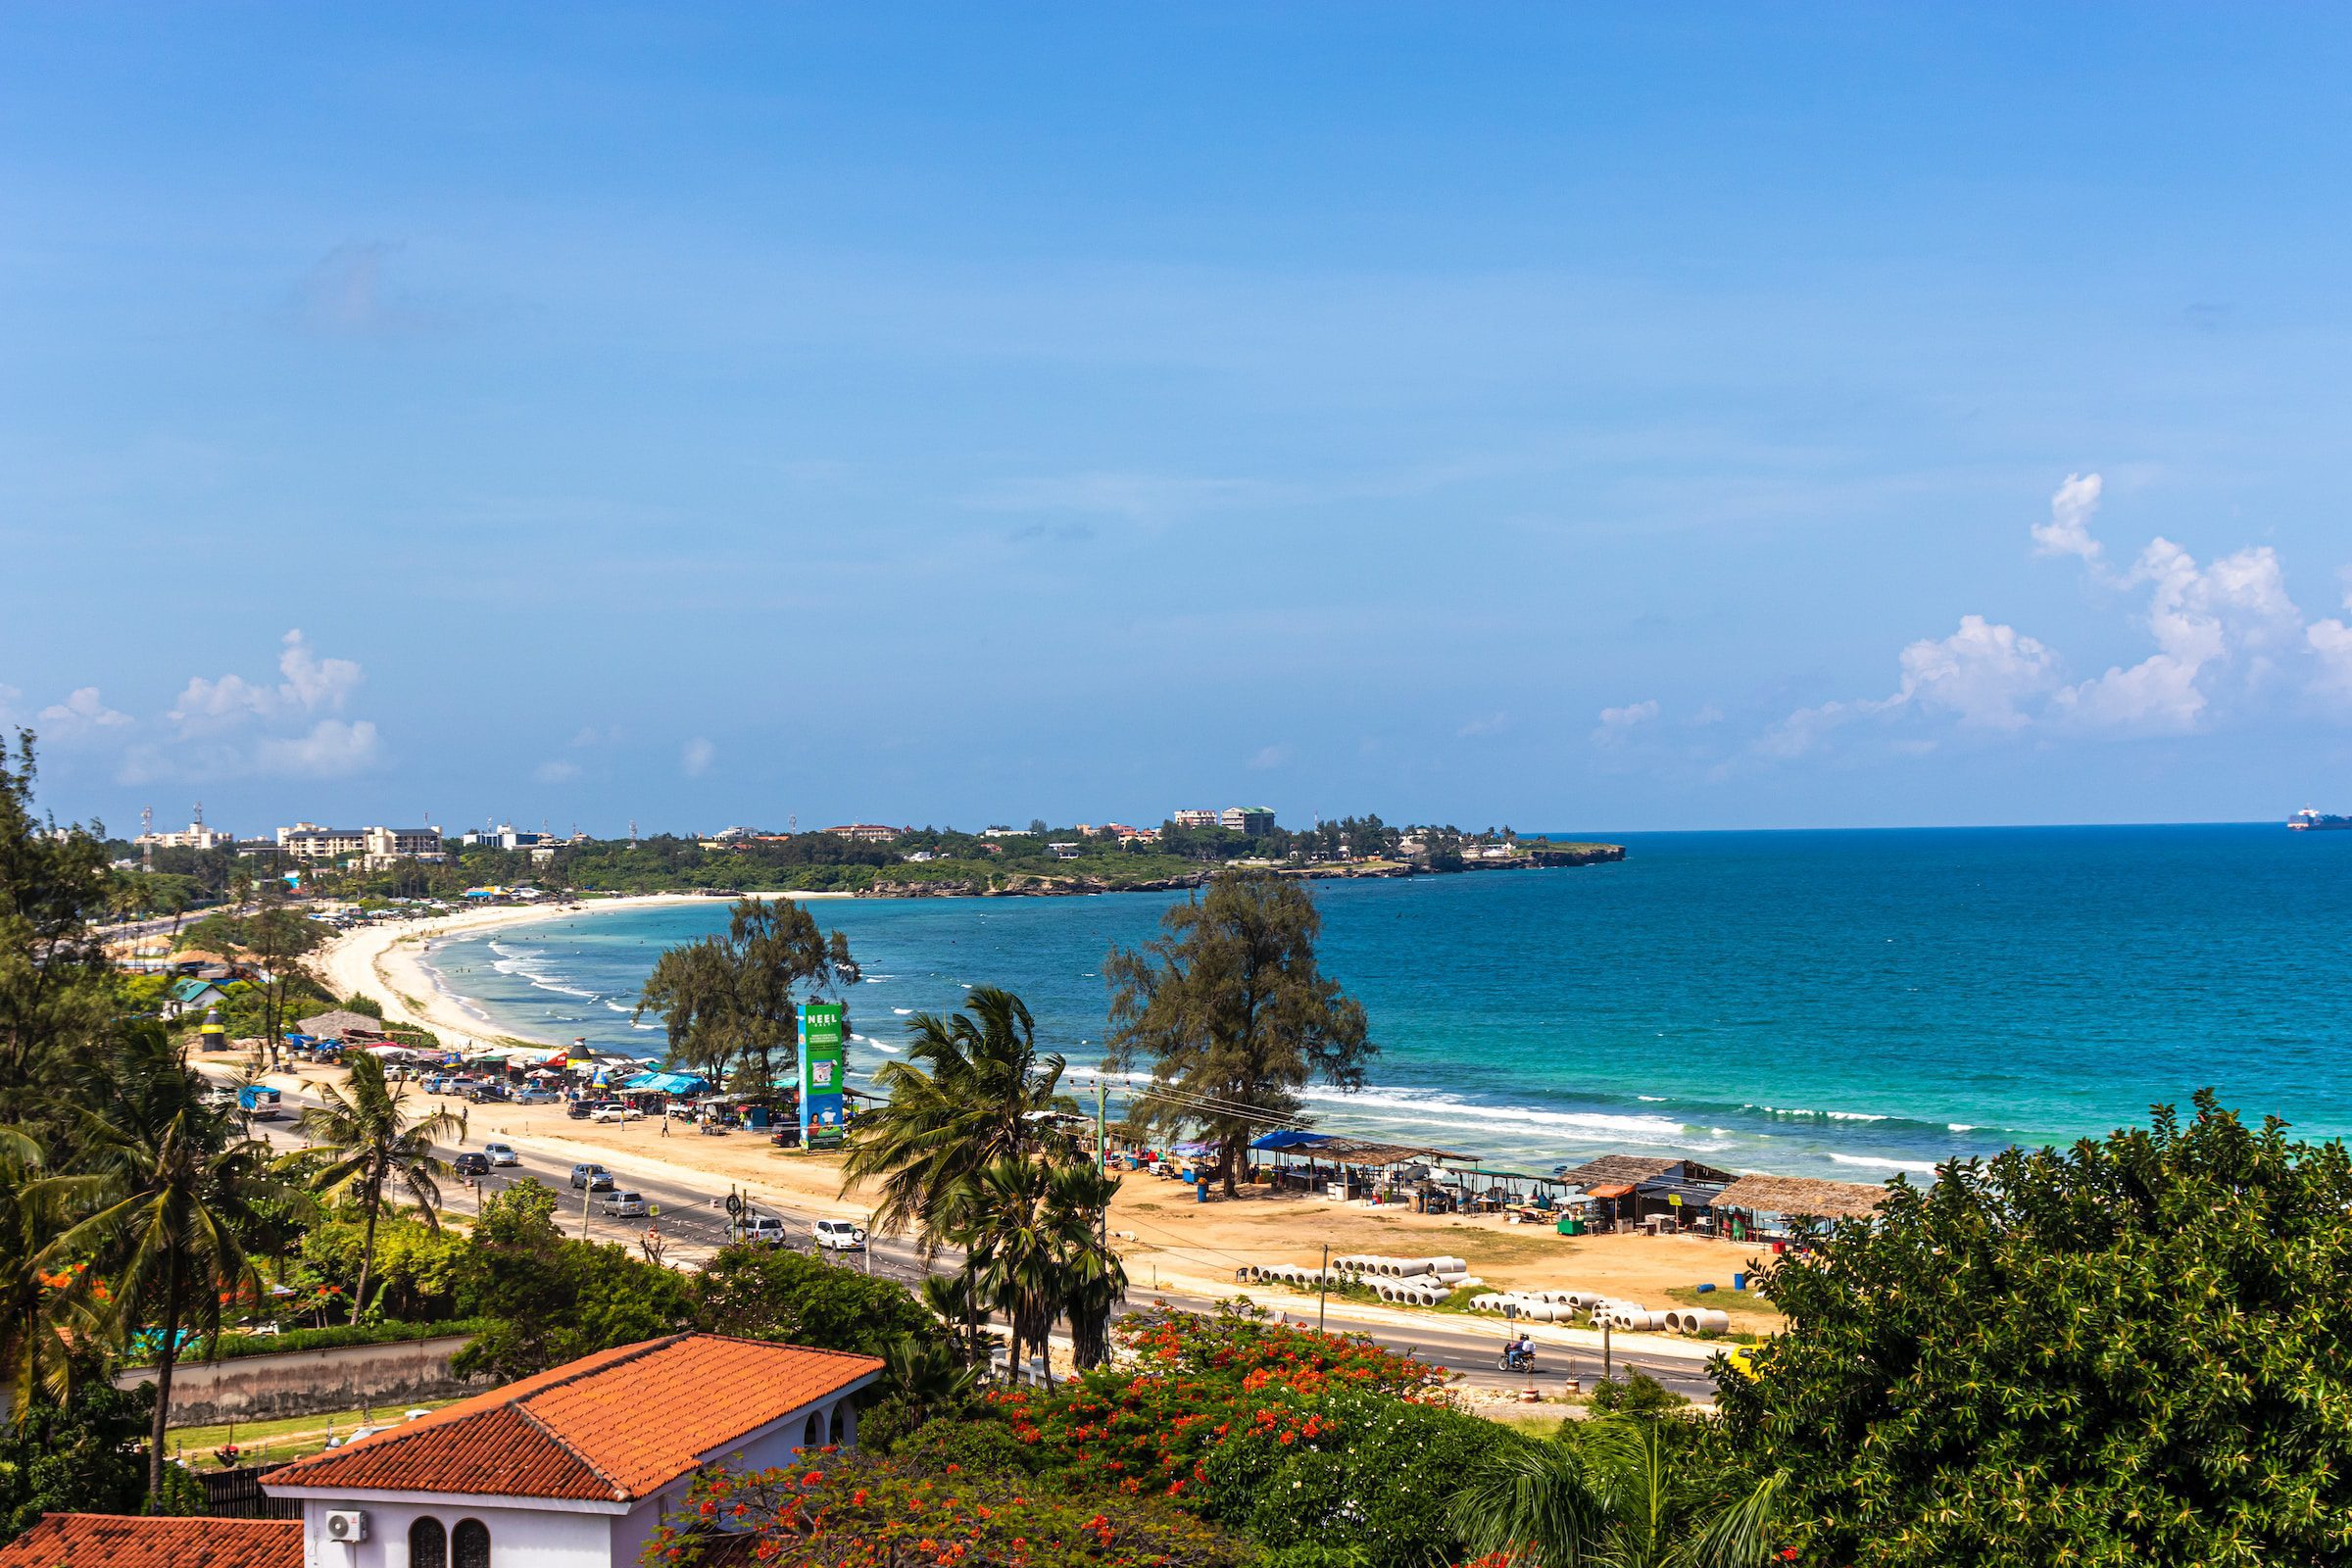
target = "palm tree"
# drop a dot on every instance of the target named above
(1013, 1242)
(371, 1143)
(46, 1306)
(180, 1186)
(967, 1096)
(1616, 1496)
(1091, 1277)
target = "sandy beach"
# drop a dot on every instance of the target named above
(387, 961)
(1166, 1235)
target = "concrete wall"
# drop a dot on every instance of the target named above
(258, 1388)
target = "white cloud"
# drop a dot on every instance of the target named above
(310, 684)
(1270, 756)
(1979, 674)
(556, 772)
(1707, 713)
(2068, 532)
(80, 715)
(2331, 642)
(9, 696)
(696, 760)
(331, 749)
(231, 726)
(2213, 624)
(1618, 722)
(1490, 725)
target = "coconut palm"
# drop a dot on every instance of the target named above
(1014, 1243)
(372, 1144)
(178, 1186)
(47, 1304)
(1093, 1279)
(967, 1096)
(1618, 1495)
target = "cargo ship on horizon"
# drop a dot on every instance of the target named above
(2310, 820)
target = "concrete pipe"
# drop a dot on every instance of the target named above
(1449, 1265)
(1707, 1320)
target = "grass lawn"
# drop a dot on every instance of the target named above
(288, 1438)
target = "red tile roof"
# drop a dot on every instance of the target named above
(620, 1424)
(120, 1540)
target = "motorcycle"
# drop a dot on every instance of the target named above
(1514, 1359)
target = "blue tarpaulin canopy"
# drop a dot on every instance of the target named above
(1290, 1138)
(669, 1083)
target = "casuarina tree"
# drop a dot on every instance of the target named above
(1232, 1011)
(2137, 1350)
(729, 1002)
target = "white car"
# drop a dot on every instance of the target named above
(502, 1154)
(616, 1113)
(761, 1230)
(841, 1234)
(622, 1205)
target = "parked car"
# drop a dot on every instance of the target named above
(595, 1178)
(502, 1154)
(622, 1205)
(760, 1230)
(841, 1234)
(489, 1095)
(474, 1163)
(533, 1096)
(439, 1084)
(578, 1111)
(614, 1110)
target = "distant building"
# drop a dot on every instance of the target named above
(1064, 850)
(1195, 818)
(505, 836)
(307, 840)
(1254, 820)
(196, 836)
(866, 832)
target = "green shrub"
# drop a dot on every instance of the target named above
(1636, 1393)
(1364, 1470)
(979, 1445)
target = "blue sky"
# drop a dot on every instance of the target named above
(1506, 415)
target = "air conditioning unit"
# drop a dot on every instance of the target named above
(347, 1525)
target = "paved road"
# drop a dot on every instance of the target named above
(693, 1225)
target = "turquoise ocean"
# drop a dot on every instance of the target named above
(1835, 1003)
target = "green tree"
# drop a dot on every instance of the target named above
(764, 1292)
(77, 1454)
(729, 1003)
(46, 1306)
(180, 1187)
(373, 1144)
(1623, 1492)
(1032, 1231)
(1233, 1012)
(971, 1091)
(1090, 1278)
(557, 1299)
(55, 991)
(2131, 1351)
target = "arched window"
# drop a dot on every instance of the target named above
(470, 1545)
(808, 1437)
(428, 1544)
(833, 1428)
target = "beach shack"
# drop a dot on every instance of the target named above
(1785, 1209)
(341, 1026)
(1648, 1191)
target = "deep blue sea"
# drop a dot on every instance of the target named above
(1837, 1003)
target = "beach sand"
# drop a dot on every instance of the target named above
(1167, 1238)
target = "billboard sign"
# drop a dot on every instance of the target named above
(821, 1030)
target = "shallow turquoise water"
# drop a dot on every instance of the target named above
(1844, 1004)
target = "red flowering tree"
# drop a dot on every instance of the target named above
(839, 1510)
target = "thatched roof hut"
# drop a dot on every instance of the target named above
(1810, 1197)
(339, 1023)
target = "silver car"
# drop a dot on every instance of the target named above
(622, 1205)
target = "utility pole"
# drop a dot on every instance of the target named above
(1604, 1350)
(1102, 1160)
(587, 1197)
(1322, 1284)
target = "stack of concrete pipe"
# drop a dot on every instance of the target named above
(1697, 1320)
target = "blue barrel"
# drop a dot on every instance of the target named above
(1202, 1190)
(1709, 1286)
(1738, 1282)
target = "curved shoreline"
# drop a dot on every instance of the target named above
(388, 963)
